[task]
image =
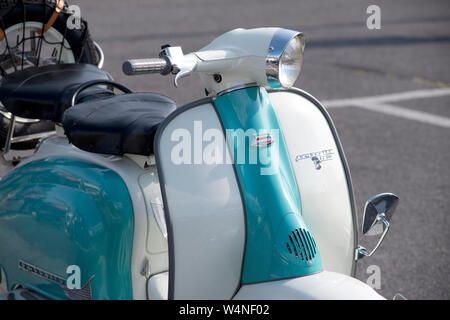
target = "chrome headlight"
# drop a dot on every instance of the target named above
(284, 60)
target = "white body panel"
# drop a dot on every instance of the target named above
(325, 285)
(149, 245)
(206, 217)
(324, 193)
(158, 286)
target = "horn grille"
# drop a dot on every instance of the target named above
(301, 244)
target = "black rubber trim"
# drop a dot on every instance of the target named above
(341, 154)
(147, 281)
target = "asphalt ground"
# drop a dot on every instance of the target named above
(388, 149)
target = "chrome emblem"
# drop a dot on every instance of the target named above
(262, 140)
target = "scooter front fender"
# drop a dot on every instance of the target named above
(326, 285)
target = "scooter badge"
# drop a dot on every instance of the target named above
(262, 140)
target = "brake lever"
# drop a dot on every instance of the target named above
(182, 65)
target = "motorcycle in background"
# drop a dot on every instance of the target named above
(33, 34)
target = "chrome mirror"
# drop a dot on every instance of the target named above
(378, 209)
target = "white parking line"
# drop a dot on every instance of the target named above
(382, 104)
(408, 95)
(409, 114)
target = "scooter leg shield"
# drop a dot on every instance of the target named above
(228, 223)
(322, 176)
(203, 208)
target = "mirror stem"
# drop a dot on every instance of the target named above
(361, 252)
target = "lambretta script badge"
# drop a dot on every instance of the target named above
(84, 293)
(317, 157)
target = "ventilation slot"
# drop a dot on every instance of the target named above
(302, 245)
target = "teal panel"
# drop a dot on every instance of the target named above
(58, 212)
(275, 228)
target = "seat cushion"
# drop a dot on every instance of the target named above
(121, 124)
(46, 92)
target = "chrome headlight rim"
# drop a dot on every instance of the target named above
(278, 45)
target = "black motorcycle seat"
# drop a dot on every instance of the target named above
(117, 125)
(46, 92)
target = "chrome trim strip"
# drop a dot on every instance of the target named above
(9, 135)
(100, 53)
(35, 136)
(7, 115)
(239, 87)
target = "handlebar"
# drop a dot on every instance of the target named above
(171, 60)
(145, 66)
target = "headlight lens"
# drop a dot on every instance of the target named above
(291, 62)
(284, 60)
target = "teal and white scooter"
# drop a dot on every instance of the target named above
(245, 194)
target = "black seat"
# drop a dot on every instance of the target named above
(46, 92)
(121, 124)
